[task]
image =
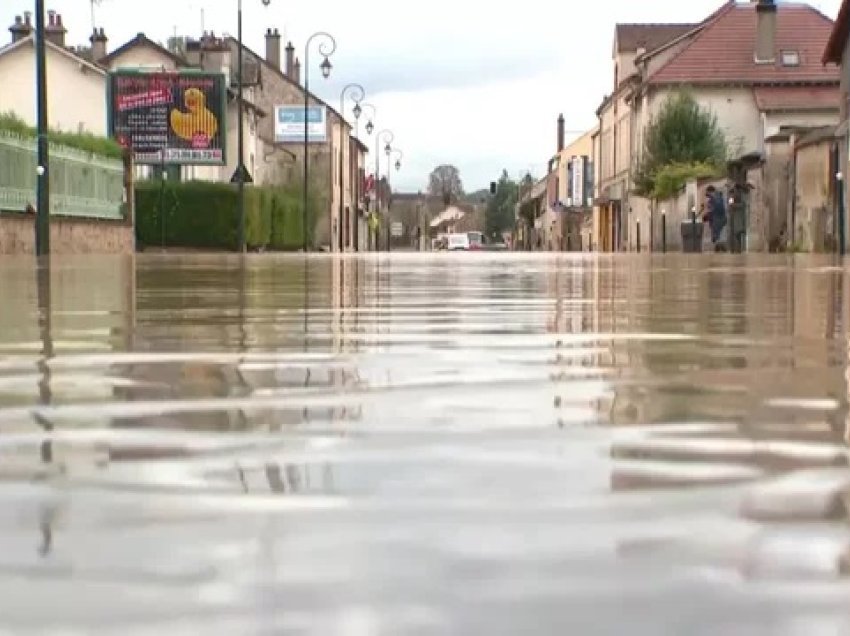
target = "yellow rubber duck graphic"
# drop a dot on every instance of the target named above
(199, 122)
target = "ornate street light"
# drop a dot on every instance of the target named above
(357, 93)
(400, 157)
(370, 124)
(327, 46)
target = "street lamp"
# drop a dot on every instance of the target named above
(240, 133)
(370, 124)
(327, 46)
(357, 93)
(390, 137)
(400, 157)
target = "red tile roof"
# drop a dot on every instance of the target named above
(631, 37)
(838, 39)
(774, 98)
(724, 51)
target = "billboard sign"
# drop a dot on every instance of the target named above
(173, 118)
(289, 124)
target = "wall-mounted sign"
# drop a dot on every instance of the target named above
(289, 124)
(578, 179)
(172, 118)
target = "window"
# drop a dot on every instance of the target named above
(790, 58)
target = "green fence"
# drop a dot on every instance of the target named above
(81, 184)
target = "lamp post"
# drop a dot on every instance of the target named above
(390, 137)
(327, 46)
(357, 94)
(370, 123)
(240, 129)
(42, 220)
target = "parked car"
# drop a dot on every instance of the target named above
(458, 242)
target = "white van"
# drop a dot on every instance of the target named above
(458, 242)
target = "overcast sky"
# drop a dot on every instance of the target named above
(477, 84)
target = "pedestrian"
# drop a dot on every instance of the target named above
(715, 215)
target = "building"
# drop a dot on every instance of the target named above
(613, 149)
(765, 78)
(575, 191)
(76, 87)
(838, 53)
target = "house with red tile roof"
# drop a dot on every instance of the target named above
(755, 65)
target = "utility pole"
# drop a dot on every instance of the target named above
(42, 220)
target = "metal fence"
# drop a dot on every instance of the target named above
(81, 184)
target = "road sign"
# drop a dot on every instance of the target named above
(397, 229)
(246, 176)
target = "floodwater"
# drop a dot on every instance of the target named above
(424, 444)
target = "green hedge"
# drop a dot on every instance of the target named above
(86, 142)
(201, 214)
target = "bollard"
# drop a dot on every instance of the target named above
(664, 231)
(638, 236)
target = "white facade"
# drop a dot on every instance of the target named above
(76, 90)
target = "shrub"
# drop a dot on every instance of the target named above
(202, 214)
(86, 142)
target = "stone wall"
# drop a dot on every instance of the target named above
(67, 236)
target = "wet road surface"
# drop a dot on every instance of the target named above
(405, 444)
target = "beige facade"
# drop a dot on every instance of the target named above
(76, 97)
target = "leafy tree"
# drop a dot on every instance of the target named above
(445, 183)
(499, 215)
(683, 134)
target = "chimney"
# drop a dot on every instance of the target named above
(55, 31)
(290, 60)
(98, 41)
(765, 32)
(193, 52)
(21, 29)
(273, 48)
(561, 132)
(296, 72)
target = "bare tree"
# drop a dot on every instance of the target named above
(445, 182)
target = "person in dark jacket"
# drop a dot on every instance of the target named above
(715, 213)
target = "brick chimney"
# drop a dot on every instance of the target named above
(296, 72)
(22, 27)
(561, 132)
(273, 48)
(98, 41)
(765, 32)
(55, 31)
(215, 54)
(290, 60)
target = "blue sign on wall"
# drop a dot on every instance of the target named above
(289, 124)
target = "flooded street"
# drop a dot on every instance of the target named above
(424, 444)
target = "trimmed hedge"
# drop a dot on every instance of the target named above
(86, 142)
(202, 214)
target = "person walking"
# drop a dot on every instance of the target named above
(715, 216)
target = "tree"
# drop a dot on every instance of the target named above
(684, 135)
(445, 183)
(500, 212)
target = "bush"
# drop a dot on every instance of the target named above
(86, 142)
(202, 214)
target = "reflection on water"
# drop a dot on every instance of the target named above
(424, 444)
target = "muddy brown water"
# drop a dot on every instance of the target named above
(424, 444)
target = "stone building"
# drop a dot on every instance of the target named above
(764, 79)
